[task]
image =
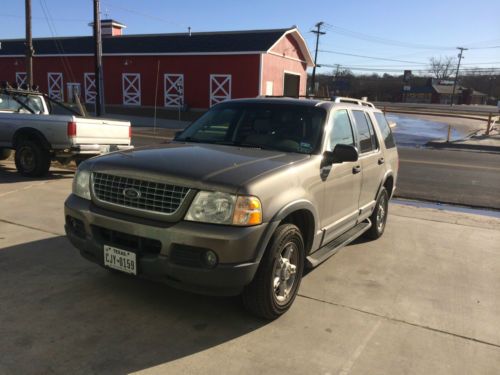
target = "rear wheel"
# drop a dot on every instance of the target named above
(278, 278)
(379, 216)
(5, 153)
(32, 159)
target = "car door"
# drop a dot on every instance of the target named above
(342, 181)
(370, 159)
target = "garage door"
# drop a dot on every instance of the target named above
(291, 85)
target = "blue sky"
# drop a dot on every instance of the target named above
(411, 31)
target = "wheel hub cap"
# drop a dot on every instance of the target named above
(285, 270)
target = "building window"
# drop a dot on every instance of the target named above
(21, 79)
(90, 88)
(220, 88)
(56, 86)
(174, 90)
(131, 88)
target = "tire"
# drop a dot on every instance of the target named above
(5, 153)
(275, 285)
(32, 159)
(379, 216)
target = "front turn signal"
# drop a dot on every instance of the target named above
(248, 211)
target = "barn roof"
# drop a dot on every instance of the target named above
(226, 42)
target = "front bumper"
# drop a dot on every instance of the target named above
(165, 258)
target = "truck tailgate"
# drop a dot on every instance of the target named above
(101, 131)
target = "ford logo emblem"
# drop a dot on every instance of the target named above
(131, 193)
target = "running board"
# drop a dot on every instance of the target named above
(332, 247)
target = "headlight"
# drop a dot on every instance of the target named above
(81, 183)
(224, 208)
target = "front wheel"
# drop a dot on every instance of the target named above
(32, 159)
(275, 286)
(379, 216)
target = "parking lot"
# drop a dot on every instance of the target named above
(423, 300)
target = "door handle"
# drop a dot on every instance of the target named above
(356, 169)
(381, 161)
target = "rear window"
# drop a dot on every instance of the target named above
(385, 129)
(367, 139)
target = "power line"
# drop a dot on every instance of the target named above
(146, 15)
(372, 57)
(379, 40)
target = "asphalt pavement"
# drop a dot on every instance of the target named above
(423, 299)
(457, 177)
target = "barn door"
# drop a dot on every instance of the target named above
(56, 87)
(90, 88)
(21, 79)
(131, 86)
(174, 90)
(220, 88)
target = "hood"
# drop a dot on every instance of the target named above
(195, 165)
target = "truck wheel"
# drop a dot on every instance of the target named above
(379, 216)
(31, 159)
(275, 285)
(5, 153)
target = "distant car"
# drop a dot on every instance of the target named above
(28, 127)
(242, 200)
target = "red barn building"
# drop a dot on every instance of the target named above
(197, 70)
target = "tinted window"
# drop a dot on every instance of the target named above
(342, 130)
(367, 141)
(385, 130)
(276, 126)
(372, 132)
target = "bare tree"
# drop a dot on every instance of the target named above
(442, 67)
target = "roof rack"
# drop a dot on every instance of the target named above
(335, 99)
(342, 99)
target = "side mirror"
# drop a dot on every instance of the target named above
(340, 154)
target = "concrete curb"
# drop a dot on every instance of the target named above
(463, 146)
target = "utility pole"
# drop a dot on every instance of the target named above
(318, 32)
(99, 82)
(29, 46)
(462, 49)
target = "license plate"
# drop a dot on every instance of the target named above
(120, 260)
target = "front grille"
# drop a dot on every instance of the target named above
(152, 196)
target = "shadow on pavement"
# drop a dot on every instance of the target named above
(8, 174)
(62, 314)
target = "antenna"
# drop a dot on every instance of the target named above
(189, 30)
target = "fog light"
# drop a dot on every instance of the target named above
(210, 258)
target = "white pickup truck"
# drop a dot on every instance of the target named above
(33, 126)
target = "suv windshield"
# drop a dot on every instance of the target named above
(281, 127)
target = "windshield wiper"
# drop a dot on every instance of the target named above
(190, 139)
